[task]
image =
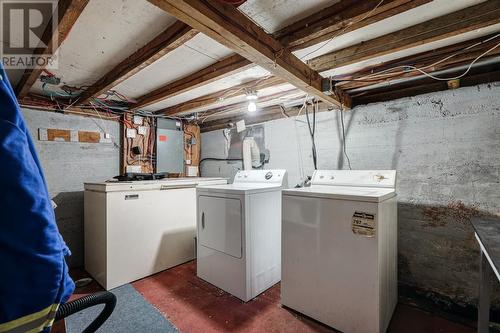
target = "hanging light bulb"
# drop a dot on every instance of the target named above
(251, 97)
(252, 107)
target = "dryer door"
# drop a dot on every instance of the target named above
(220, 224)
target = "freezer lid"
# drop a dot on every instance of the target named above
(353, 193)
(162, 184)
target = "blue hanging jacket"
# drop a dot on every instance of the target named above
(34, 276)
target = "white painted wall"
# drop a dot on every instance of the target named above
(67, 165)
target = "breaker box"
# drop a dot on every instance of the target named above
(169, 146)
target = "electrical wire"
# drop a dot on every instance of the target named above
(103, 128)
(343, 30)
(405, 68)
(458, 76)
(343, 137)
(299, 151)
(312, 131)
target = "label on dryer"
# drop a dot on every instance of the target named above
(363, 224)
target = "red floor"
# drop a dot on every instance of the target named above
(193, 305)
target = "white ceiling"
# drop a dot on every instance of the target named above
(196, 54)
(110, 30)
(407, 19)
(227, 82)
(273, 15)
(106, 33)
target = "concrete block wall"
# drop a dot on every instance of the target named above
(67, 165)
(446, 149)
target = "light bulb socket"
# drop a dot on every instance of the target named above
(252, 107)
(251, 95)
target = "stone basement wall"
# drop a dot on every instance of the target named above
(67, 165)
(445, 147)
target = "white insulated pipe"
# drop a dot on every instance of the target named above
(251, 154)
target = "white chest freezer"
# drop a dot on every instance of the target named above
(138, 228)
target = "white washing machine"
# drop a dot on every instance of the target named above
(339, 249)
(239, 232)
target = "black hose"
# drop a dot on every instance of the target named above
(103, 297)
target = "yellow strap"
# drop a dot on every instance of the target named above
(11, 325)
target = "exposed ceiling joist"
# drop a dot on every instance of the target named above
(230, 27)
(462, 21)
(479, 75)
(435, 60)
(227, 111)
(342, 17)
(68, 12)
(211, 99)
(167, 41)
(224, 115)
(331, 21)
(41, 102)
(266, 114)
(225, 67)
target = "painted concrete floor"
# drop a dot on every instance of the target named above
(194, 305)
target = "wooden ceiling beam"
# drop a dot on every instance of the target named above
(219, 96)
(237, 111)
(230, 27)
(340, 18)
(68, 12)
(308, 31)
(478, 75)
(444, 58)
(167, 41)
(44, 103)
(481, 75)
(225, 67)
(242, 107)
(471, 18)
(266, 114)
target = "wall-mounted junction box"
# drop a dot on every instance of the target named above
(138, 120)
(131, 133)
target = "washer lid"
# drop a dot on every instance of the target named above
(361, 178)
(354, 193)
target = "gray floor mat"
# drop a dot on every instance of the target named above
(132, 314)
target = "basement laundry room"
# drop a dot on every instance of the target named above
(255, 166)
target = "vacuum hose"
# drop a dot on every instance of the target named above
(103, 297)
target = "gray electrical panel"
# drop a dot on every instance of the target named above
(169, 146)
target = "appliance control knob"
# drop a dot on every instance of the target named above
(269, 175)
